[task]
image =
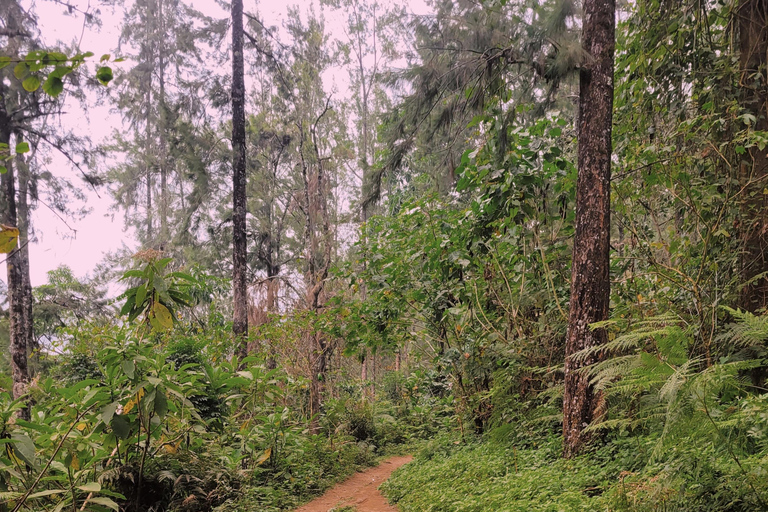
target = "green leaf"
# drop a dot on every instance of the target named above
(21, 70)
(161, 404)
(104, 74)
(60, 71)
(31, 83)
(129, 368)
(109, 412)
(141, 294)
(22, 147)
(54, 58)
(120, 427)
(128, 306)
(104, 58)
(5, 61)
(24, 448)
(160, 284)
(105, 502)
(53, 86)
(49, 492)
(90, 487)
(3, 169)
(162, 315)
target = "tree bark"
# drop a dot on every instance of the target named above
(18, 348)
(22, 170)
(318, 245)
(753, 45)
(590, 278)
(240, 320)
(149, 55)
(163, 127)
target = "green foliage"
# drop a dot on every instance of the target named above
(50, 68)
(145, 424)
(450, 475)
(158, 294)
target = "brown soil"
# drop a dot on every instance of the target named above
(360, 491)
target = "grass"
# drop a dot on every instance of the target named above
(476, 476)
(501, 475)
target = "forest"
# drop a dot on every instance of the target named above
(524, 242)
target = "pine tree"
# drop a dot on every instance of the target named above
(590, 270)
(160, 99)
(239, 183)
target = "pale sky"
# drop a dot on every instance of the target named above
(103, 230)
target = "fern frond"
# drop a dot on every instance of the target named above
(748, 331)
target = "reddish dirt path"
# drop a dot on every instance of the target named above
(360, 490)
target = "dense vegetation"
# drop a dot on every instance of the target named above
(536, 262)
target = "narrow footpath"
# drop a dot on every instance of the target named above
(360, 491)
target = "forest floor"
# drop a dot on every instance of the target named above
(360, 492)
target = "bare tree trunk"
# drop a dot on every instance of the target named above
(317, 382)
(18, 320)
(753, 64)
(590, 278)
(22, 169)
(148, 54)
(239, 242)
(19, 369)
(163, 131)
(397, 360)
(318, 256)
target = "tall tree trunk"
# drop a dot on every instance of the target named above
(240, 321)
(18, 320)
(22, 170)
(148, 54)
(590, 278)
(318, 245)
(753, 57)
(163, 127)
(18, 334)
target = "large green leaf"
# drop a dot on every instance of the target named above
(161, 403)
(120, 427)
(53, 86)
(163, 315)
(90, 487)
(31, 83)
(24, 448)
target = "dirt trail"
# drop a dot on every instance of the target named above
(360, 491)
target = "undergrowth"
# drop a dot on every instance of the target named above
(677, 434)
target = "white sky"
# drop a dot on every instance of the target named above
(103, 230)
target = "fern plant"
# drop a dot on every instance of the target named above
(654, 384)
